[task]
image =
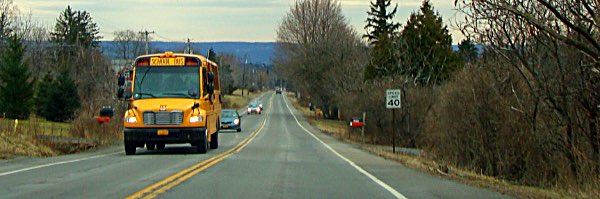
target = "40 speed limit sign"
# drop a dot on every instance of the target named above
(393, 98)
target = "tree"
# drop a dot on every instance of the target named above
(75, 29)
(16, 87)
(555, 48)
(6, 11)
(380, 23)
(62, 100)
(467, 50)
(314, 40)
(426, 47)
(42, 96)
(381, 33)
(128, 44)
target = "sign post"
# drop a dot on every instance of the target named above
(393, 100)
(362, 133)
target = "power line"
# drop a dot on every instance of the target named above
(146, 33)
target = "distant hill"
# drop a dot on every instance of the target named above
(258, 52)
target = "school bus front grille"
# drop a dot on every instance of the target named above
(163, 118)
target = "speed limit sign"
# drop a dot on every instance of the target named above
(393, 98)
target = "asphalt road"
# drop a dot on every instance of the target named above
(277, 155)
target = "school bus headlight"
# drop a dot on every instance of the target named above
(131, 120)
(196, 119)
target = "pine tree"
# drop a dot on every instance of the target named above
(467, 50)
(381, 33)
(16, 87)
(75, 29)
(62, 100)
(42, 97)
(427, 53)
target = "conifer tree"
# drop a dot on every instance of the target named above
(16, 87)
(427, 53)
(467, 50)
(381, 33)
(62, 100)
(75, 29)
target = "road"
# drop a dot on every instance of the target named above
(277, 155)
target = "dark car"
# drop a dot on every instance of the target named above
(230, 119)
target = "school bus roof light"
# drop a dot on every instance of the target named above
(189, 61)
(143, 62)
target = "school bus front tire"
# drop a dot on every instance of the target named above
(129, 148)
(201, 146)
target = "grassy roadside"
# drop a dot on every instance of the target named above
(341, 131)
(237, 101)
(18, 138)
(26, 139)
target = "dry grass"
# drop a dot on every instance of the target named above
(340, 130)
(18, 140)
(26, 139)
(236, 101)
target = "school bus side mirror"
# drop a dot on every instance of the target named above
(210, 89)
(211, 77)
(121, 80)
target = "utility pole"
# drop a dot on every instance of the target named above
(244, 74)
(146, 33)
(189, 47)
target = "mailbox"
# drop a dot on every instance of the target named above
(357, 122)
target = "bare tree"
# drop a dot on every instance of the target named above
(7, 15)
(555, 47)
(314, 40)
(128, 44)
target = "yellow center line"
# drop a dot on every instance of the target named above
(164, 185)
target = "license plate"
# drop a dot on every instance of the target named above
(163, 132)
(172, 61)
(225, 126)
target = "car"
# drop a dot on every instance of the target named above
(254, 107)
(230, 119)
(278, 91)
(259, 105)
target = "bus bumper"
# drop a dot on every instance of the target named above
(174, 136)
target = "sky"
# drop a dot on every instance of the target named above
(209, 20)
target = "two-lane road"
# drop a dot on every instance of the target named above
(277, 155)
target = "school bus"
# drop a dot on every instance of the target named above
(173, 99)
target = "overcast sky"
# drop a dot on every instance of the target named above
(208, 20)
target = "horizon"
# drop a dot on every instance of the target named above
(232, 20)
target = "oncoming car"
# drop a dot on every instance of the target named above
(230, 119)
(254, 107)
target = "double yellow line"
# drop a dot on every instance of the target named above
(162, 186)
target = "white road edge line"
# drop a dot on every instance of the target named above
(70, 161)
(56, 163)
(361, 170)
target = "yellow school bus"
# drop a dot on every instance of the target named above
(173, 99)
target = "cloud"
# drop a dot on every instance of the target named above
(205, 20)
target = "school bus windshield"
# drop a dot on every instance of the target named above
(166, 82)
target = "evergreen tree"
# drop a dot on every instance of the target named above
(62, 99)
(75, 29)
(426, 48)
(381, 33)
(227, 82)
(42, 97)
(212, 55)
(16, 87)
(467, 50)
